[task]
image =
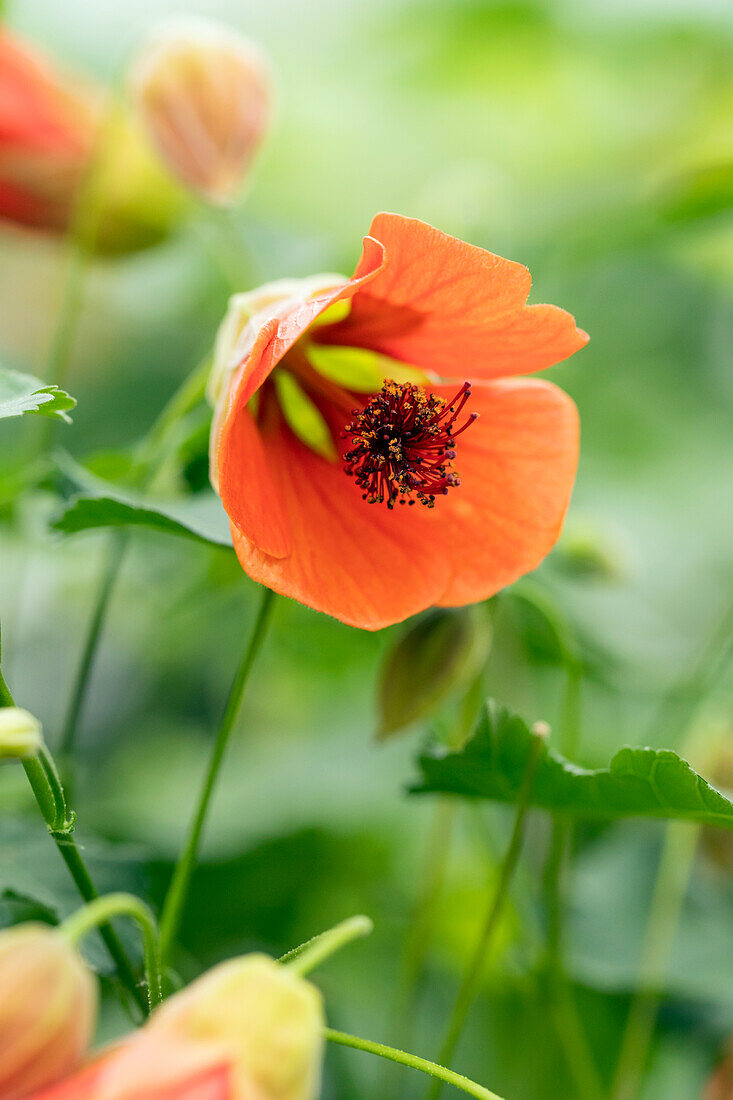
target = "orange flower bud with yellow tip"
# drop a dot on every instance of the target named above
(204, 94)
(48, 1003)
(254, 1020)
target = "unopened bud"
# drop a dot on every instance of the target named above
(438, 655)
(20, 733)
(48, 1002)
(204, 94)
(586, 552)
(251, 1017)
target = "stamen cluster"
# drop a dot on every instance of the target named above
(404, 444)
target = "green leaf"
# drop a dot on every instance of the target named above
(201, 518)
(438, 654)
(22, 393)
(637, 783)
(102, 504)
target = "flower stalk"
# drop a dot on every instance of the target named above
(313, 952)
(101, 911)
(185, 398)
(178, 889)
(440, 1074)
(44, 781)
(472, 977)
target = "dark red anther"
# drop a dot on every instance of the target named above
(404, 444)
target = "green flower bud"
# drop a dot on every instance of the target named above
(439, 654)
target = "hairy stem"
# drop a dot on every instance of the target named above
(101, 911)
(313, 952)
(439, 1073)
(472, 977)
(178, 889)
(49, 794)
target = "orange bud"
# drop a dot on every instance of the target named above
(204, 94)
(48, 1002)
(258, 1021)
(47, 130)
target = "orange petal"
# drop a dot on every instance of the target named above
(517, 465)
(359, 562)
(212, 1084)
(449, 307)
(245, 485)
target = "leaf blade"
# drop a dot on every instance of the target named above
(639, 782)
(21, 394)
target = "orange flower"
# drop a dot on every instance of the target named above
(360, 415)
(250, 1029)
(48, 1002)
(47, 132)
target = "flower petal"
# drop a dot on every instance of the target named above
(449, 307)
(517, 465)
(246, 488)
(365, 565)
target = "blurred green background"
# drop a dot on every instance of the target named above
(594, 143)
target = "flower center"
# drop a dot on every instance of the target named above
(403, 444)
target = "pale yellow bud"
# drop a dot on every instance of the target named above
(268, 1018)
(48, 1002)
(256, 1019)
(204, 94)
(20, 733)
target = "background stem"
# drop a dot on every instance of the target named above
(440, 1073)
(178, 889)
(46, 786)
(675, 866)
(472, 977)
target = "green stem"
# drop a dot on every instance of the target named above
(101, 911)
(49, 794)
(178, 889)
(669, 893)
(568, 1026)
(439, 1073)
(185, 398)
(116, 554)
(563, 1009)
(313, 952)
(6, 699)
(472, 977)
(77, 868)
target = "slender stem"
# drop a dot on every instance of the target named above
(178, 889)
(563, 1010)
(669, 894)
(49, 794)
(439, 1073)
(421, 922)
(186, 397)
(6, 699)
(77, 868)
(313, 952)
(568, 1026)
(472, 977)
(117, 549)
(101, 911)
